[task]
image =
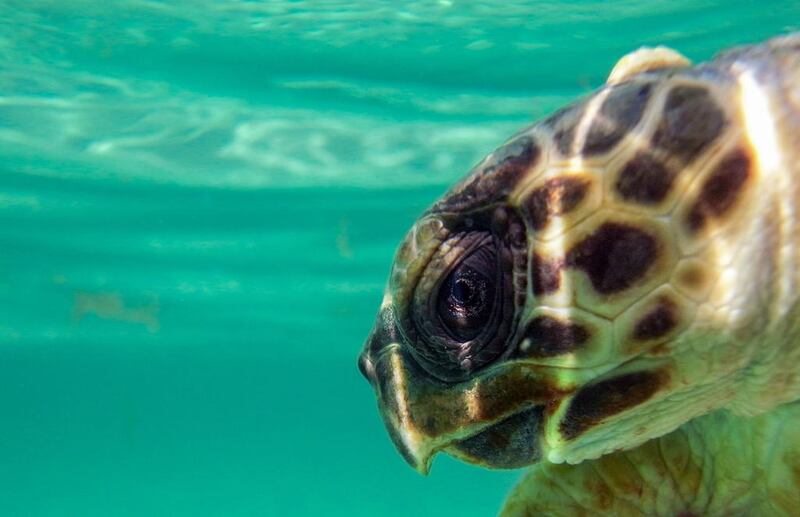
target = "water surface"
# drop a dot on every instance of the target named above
(199, 202)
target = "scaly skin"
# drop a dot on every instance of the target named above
(631, 268)
(718, 464)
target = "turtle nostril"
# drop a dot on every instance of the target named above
(366, 368)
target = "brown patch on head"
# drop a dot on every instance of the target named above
(563, 123)
(693, 278)
(545, 275)
(442, 409)
(720, 190)
(548, 337)
(493, 180)
(658, 318)
(596, 402)
(557, 196)
(621, 111)
(690, 123)
(644, 180)
(614, 257)
(658, 321)
(503, 393)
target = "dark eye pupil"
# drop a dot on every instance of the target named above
(466, 297)
(463, 292)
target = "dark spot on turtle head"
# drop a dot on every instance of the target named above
(720, 190)
(557, 196)
(690, 122)
(563, 123)
(563, 139)
(614, 257)
(493, 181)
(658, 321)
(548, 337)
(509, 444)
(644, 180)
(598, 401)
(545, 275)
(621, 111)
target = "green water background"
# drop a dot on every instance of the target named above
(199, 202)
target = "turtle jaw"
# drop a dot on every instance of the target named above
(511, 443)
(495, 420)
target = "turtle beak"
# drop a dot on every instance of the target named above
(383, 364)
(387, 376)
(417, 452)
(414, 445)
(423, 419)
(494, 419)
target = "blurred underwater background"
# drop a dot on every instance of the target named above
(199, 204)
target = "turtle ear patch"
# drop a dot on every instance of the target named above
(495, 178)
(614, 257)
(720, 190)
(691, 121)
(596, 402)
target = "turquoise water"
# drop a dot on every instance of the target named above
(199, 202)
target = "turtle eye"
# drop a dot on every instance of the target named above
(463, 306)
(467, 296)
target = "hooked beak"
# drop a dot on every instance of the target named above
(387, 376)
(415, 449)
(495, 420)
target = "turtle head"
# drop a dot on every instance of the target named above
(558, 303)
(435, 355)
(452, 306)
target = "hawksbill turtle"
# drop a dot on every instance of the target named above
(613, 297)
